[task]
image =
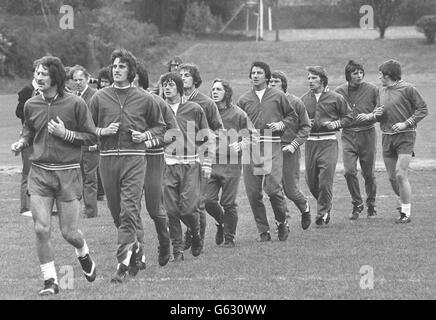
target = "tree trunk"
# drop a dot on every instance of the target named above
(44, 14)
(382, 31)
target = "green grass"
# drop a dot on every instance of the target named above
(312, 264)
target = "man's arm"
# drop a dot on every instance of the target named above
(419, 105)
(24, 95)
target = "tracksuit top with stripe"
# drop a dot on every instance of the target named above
(361, 99)
(274, 107)
(184, 150)
(297, 133)
(402, 103)
(171, 125)
(210, 109)
(234, 118)
(134, 110)
(49, 151)
(331, 106)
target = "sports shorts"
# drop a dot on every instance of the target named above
(400, 143)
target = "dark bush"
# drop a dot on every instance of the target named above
(427, 25)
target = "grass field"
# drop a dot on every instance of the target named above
(312, 264)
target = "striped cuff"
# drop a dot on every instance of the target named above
(206, 167)
(282, 126)
(99, 130)
(69, 136)
(337, 124)
(152, 143)
(295, 144)
(410, 122)
(148, 135)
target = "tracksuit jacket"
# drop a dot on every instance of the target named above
(297, 133)
(361, 99)
(134, 110)
(402, 103)
(274, 107)
(330, 107)
(49, 151)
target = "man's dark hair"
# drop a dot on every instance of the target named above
(265, 67)
(104, 73)
(392, 69)
(78, 67)
(174, 61)
(128, 58)
(351, 67)
(228, 91)
(320, 72)
(68, 73)
(193, 71)
(56, 72)
(282, 76)
(170, 76)
(142, 72)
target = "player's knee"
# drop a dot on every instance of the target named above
(350, 173)
(42, 231)
(401, 176)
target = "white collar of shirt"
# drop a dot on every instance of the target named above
(174, 107)
(260, 93)
(86, 88)
(128, 86)
(317, 95)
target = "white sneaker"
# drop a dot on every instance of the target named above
(27, 213)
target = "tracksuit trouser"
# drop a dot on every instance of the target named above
(291, 179)
(270, 183)
(123, 181)
(360, 146)
(181, 196)
(153, 193)
(89, 165)
(224, 177)
(321, 158)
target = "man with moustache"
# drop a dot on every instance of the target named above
(271, 113)
(56, 123)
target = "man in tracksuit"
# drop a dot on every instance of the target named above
(292, 139)
(56, 123)
(271, 113)
(191, 82)
(328, 112)
(153, 183)
(359, 139)
(184, 166)
(125, 118)
(226, 171)
(90, 154)
(401, 108)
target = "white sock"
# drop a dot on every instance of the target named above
(405, 208)
(49, 271)
(82, 251)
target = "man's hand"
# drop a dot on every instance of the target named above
(378, 112)
(276, 126)
(93, 148)
(362, 117)
(138, 137)
(111, 129)
(57, 128)
(206, 172)
(16, 147)
(332, 125)
(288, 148)
(399, 126)
(235, 146)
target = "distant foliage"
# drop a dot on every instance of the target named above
(427, 25)
(199, 19)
